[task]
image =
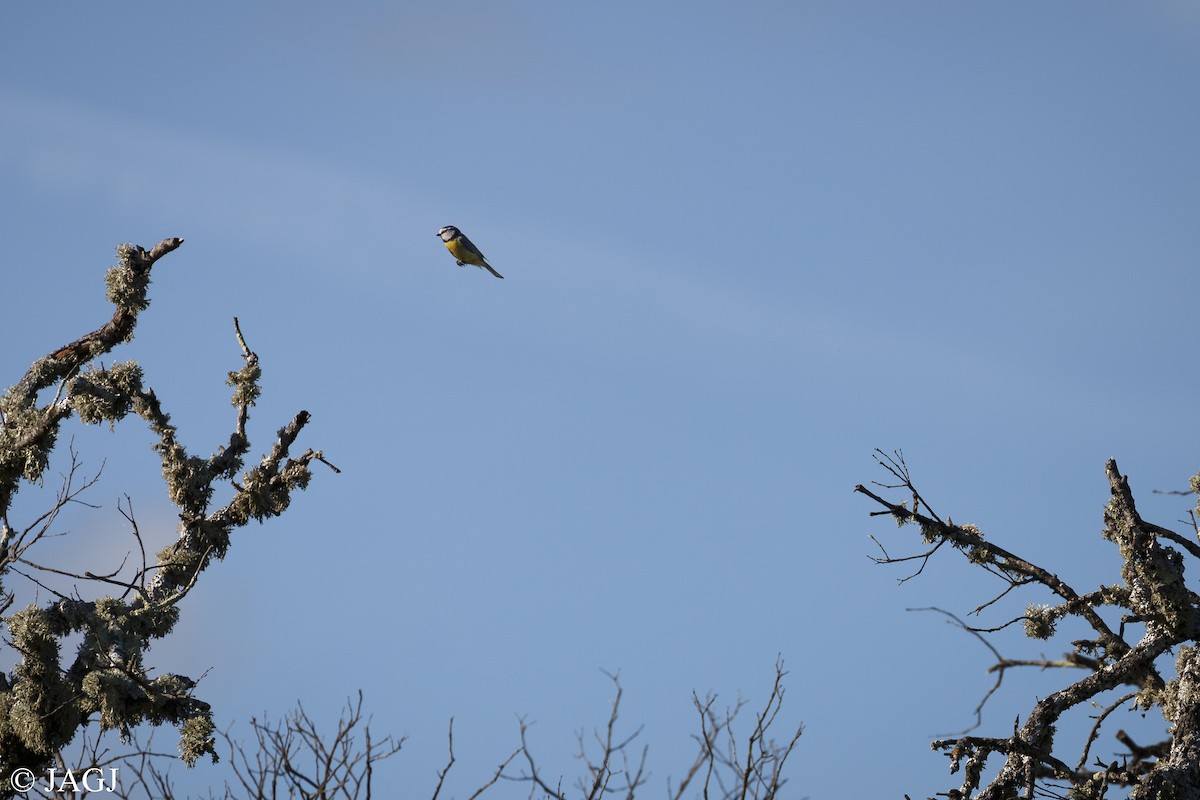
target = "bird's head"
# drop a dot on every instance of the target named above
(447, 233)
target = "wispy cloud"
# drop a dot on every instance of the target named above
(127, 162)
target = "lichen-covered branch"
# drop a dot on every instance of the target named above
(1152, 591)
(48, 699)
(29, 428)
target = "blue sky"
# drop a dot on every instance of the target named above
(743, 244)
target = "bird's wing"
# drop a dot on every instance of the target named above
(467, 243)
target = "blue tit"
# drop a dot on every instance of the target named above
(463, 251)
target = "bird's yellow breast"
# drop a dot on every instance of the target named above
(462, 252)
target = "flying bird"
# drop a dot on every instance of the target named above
(463, 251)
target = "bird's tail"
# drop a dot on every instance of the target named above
(488, 267)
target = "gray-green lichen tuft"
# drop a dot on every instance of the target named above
(263, 495)
(188, 481)
(30, 461)
(196, 739)
(106, 395)
(245, 384)
(43, 715)
(1180, 694)
(1040, 621)
(127, 285)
